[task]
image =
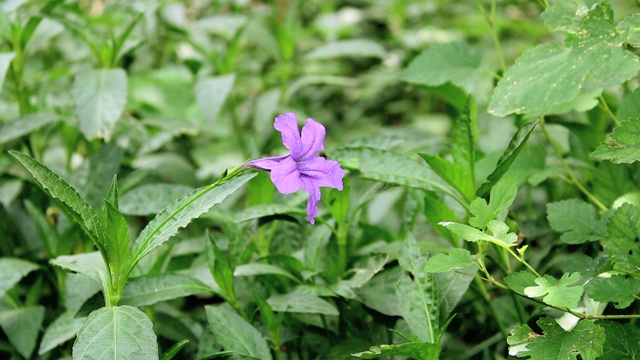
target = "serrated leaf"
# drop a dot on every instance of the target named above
(463, 146)
(585, 338)
(211, 94)
(235, 334)
(622, 341)
(454, 62)
(181, 212)
(592, 56)
(455, 259)
(151, 289)
(11, 271)
(622, 242)
(557, 292)
(577, 220)
(347, 48)
(617, 289)
(423, 351)
(24, 125)
(520, 281)
(301, 303)
(565, 15)
(622, 145)
(454, 174)
(502, 195)
(151, 198)
(117, 241)
(122, 332)
(611, 180)
(99, 97)
(629, 28)
(22, 327)
(61, 330)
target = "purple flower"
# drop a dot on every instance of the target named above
(302, 168)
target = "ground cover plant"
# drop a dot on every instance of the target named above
(319, 179)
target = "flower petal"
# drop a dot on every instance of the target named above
(286, 176)
(268, 163)
(312, 137)
(314, 198)
(287, 124)
(322, 172)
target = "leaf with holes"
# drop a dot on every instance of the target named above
(622, 242)
(622, 145)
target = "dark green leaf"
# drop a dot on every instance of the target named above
(622, 341)
(463, 145)
(622, 242)
(22, 327)
(235, 334)
(454, 174)
(301, 303)
(577, 220)
(11, 271)
(617, 289)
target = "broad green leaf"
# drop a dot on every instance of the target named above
(94, 176)
(586, 339)
(235, 334)
(557, 292)
(5, 61)
(520, 281)
(361, 275)
(117, 241)
(617, 289)
(262, 210)
(500, 233)
(583, 264)
(24, 125)
(73, 204)
(423, 351)
(454, 174)
(437, 210)
(502, 195)
(181, 212)
(455, 259)
(463, 145)
(629, 29)
(577, 220)
(90, 264)
(508, 157)
(454, 62)
(565, 15)
(629, 107)
(151, 289)
(301, 303)
(51, 240)
(622, 145)
(78, 289)
(380, 292)
(221, 269)
(347, 48)
(211, 93)
(61, 330)
(622, 242)
(262, 269)
(622, 341)
(593, 56)
(11, 271)
(116, 332)
(151, 198)
(99, 97)
(9, 191)
(452, 286)
(612, 180)
(22, 327)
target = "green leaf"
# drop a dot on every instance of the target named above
(25, 125)
(362, 274)
(221, 269)
(235, 334)
(5, 61)
(629, 29)
(520, 281)
(622, 341)
(557, 292)
(69, 199)
(116, 332)
(452, 286)
(502, 195)
(181, 212)
(90, 264)
(617, 289)
(622, 145)
(262, 269)
(78, 289)
(151, 198)
(211, 93)
(463, 146)
(500, 237)
(22, 327)
(94, 176)
(456, 259)
(301, 303)
(592, 57)
(380, 292)
(454, 174)
(454, 62)
(508, 157)
(586, 339)
(622, 242)
(437, 210)
(611, 180)
(423, 351)
(338, 202)
(152, 289)
(61, 330)
(565, 15)
(347, 48)
(117, 241)
(577, 220)
(174, 350)
(99, 97)
(262, 210)
(11, 271)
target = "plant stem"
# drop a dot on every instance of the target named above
(603, 104)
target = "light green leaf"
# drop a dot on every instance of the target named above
(622, 242)
(501, 237)
(235, 334)
(622, 145)
(423, 351)
(116, 332)
(456, 259)
(117, 241)
(437, 210)
(22, 327)
(151, 198)
(90, 264)
(502, 195)
(629, 28)
(24, 125)
(380, 292)
(151, 289)
(99, 97)
(347, 48)
(617, 289)
(454, 62)
(622, 341)
(593, 55)
(577, 220)
(181, 212)
(5, 61)
(362, 274)
(61, 330)
(211, 93)
(586, 339)
(452, 286)
(557, 292)
(11, 271)
(94, 176)
(454, 174)
(520, 281)
(262, 269)
(301, 303)
(463, 146)
(565, 15)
